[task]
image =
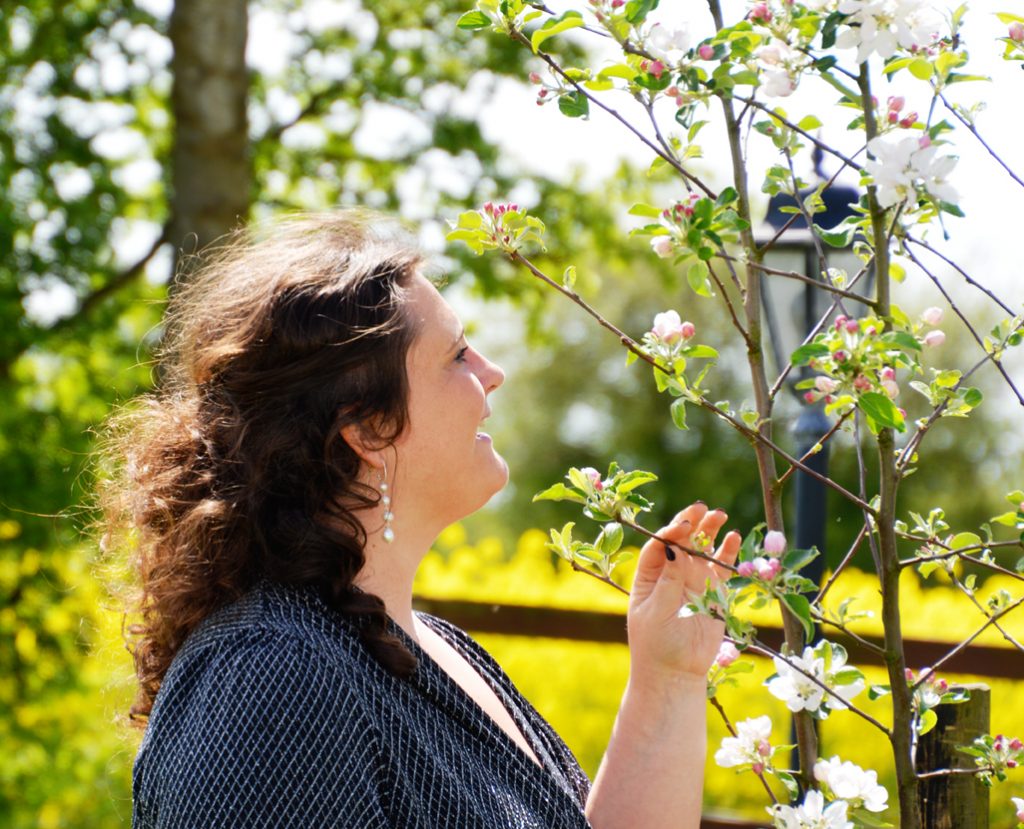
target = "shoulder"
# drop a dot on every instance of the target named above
(272, 655)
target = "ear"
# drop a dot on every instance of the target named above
(365, 444)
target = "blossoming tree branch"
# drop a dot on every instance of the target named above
(857, 366)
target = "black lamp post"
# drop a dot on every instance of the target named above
(792, 309)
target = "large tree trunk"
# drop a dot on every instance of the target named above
(212, 175)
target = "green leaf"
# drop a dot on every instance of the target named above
(554, 26)
(646, 210)
(973, 397)
(559, 492)
(574, 104)
(876, 691)
(637, 10)
(921, 68)
(901, 339)
(678, 410)
(569, 277)
(809, 122)
(697, 352)
(801, 609)
(961, 540)
(473, 20)
(697, 277)
(796, 559)
(727, 196)
(618, 70)
(634, 479)
(805, 353)
(881, 410)
(836, 238)
(929, 719)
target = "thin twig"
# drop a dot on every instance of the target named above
(816, 447)
(842, 565)
(991, 620)
(974, 131)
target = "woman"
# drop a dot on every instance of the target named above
(316, 426)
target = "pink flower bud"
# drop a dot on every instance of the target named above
(888, 373)
(932, 316)
(861, 383)
(764, 748)
(893, 117)
(839, 356)
(757, 768)
(909, 674)
(687, 329)
(672, 91)
(727, 654)
(941, 686)
(488, 208)
(909, 120)
(891, 389)
(896, 103)
(662, 245)
(852, 326)
(934, 338)
(1020, 812)
(871, 330)
(1011, 764)
(1016, 31)
(767, 569)
(535, 78)
(706, 51)
(840, 322)
(1016, 744)
(825, 384)
(760, 13)
(745, 569)
(618, 4)
(656, 68)
(810, 397)
(924, 142)
(775, 542)
(595, 477)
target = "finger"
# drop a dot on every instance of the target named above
(680, 529)
(727, 552)
(707, 530)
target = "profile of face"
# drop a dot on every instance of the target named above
(445, 467)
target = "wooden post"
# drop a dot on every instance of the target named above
(958, 801)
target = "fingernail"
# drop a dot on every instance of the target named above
(670, 553)
(701, 503)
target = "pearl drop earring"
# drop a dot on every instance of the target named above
(385, 500)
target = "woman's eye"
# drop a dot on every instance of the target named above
(461, 356)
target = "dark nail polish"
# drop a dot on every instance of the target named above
(700, 503)
(670, 554)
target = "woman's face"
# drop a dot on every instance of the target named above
(446, 467)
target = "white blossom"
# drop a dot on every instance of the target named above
(853, 784)
(780, 67)
(882, 26)
(668, 45)
(794, 685)
(898, 168)
(777, 83)
(812, 814)
(750, 746)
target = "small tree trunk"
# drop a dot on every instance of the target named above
(212, 178)
(958, 801)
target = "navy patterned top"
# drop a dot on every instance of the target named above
(274, 715)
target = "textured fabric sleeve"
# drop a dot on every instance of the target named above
(266, 734)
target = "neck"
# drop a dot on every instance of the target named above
(391, 566)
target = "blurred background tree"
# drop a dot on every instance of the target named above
(134, 133)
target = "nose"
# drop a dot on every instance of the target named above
(491, 374)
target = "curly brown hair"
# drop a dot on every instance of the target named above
(234, 469)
